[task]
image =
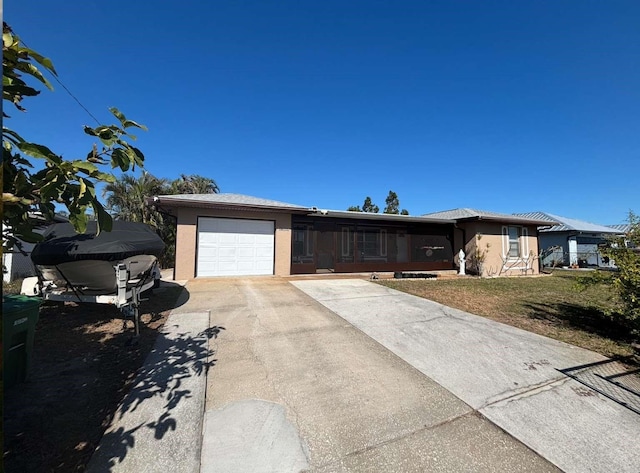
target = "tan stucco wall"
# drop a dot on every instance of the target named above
(481, 234)
(187, 237)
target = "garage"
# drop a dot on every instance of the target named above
(234, 247)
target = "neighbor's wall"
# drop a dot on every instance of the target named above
(548, 240)
(487, 238)
(187, 238)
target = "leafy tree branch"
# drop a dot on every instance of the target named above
(35, 178)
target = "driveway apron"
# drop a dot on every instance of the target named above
(508, 375)
(295, 387)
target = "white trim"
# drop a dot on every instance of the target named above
(505, 241)
(525, 242)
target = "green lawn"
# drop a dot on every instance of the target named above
(549, 305)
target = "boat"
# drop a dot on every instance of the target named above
(85, 262)
(113, 267)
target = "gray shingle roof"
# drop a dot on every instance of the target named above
(567, 224)
(467, 213)
(457, 214)
(231, 199)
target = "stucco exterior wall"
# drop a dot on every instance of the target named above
(485, 246)
(187, 237)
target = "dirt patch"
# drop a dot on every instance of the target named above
(82, 368)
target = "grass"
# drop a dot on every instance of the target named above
(549, 305)
(12, 287)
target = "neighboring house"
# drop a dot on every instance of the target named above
(237, 235)
(496, 244)
(572, 242)
(17, 264)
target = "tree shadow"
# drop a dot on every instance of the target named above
(162, 385)
(589, 319)
(81, 370)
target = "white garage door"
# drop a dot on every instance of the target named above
(234, 247)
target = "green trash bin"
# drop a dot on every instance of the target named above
(19, 318)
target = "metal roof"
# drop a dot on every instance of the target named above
(462, 214)
(621, 227)
(567, 224)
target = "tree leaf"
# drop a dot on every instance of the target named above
(119, 158)
(38, 151)
(89, 131)
(78, 219)
(118, 114)
(131, 123)
(86, 166)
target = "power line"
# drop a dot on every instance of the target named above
(55, 76)
(75, 98)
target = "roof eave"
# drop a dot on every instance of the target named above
(507, 219)
(377, 216)
(168, 203)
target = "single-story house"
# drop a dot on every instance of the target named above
(496, 244)
(236, 235)
(572, 241)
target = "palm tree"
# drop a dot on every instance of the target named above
(125, 198)
(194, 184)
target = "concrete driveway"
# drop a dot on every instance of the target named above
(343, 375)
(508, 375)
(297, 387)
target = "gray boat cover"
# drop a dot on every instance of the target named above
(62, 244)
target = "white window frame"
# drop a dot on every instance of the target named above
(523, 242)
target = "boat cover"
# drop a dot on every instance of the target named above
(62, 244)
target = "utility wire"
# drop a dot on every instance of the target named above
(55, 76)
(75, 98)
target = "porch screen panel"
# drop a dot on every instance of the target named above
(346, 244)
(302, 251)
(431, 248)
(372, 245)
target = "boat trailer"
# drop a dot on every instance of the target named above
(126, 298)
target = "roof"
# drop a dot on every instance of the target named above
(223, 200)
(568, 224)
(378, 216)
(621, 227)
(247, 202)
(467, 214)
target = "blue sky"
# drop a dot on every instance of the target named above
(496, 105)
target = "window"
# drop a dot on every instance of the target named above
(514, 243)
(372, 244)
